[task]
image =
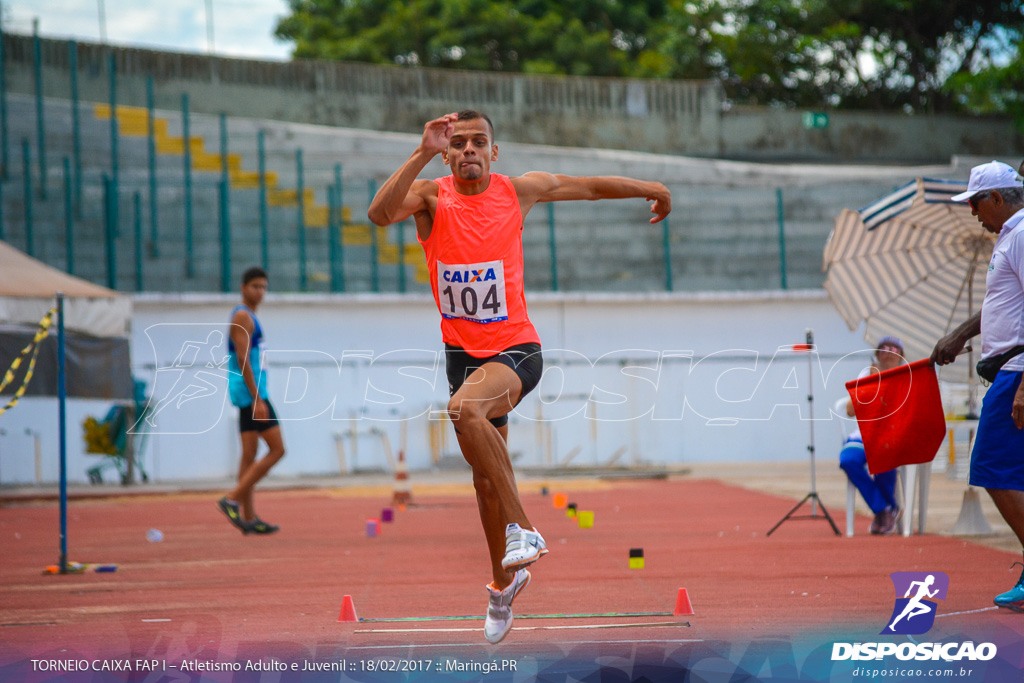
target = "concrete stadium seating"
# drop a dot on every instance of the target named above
(723, 232)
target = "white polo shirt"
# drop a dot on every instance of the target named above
(1002, 313)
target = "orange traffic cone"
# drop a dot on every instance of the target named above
(683, 605)
(403, 493)
(348, 610)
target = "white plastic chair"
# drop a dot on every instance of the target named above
(910, 477)
(845, 429)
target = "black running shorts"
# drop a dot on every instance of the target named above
(246, 422)
(524, 359)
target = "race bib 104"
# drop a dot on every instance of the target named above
(472, 291)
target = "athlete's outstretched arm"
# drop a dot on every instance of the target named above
(547, 187)
(402, 195)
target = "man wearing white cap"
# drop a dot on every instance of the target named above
(996, 197)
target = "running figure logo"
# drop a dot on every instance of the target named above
(914, 613)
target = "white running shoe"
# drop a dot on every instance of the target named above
(522, 547)
(499, 610)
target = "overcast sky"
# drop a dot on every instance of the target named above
(241, 28)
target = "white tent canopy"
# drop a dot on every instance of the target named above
(28, 289)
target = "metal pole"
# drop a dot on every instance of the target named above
(262, 157)
(76, 125)
(62, 430)
(137, 201)
(781, 215)
(69, 218)
(374, 266)
(225, 207)
(668, 254)
(225, 236)
(553, 247)
(332, 235)
(340, 229)
(26, 167)
(114, 170)
(109, 200)
(224, 174)
(5, 158)
(810, 408)
(301, 218)
(154, 230)
(37, 66)
(190, 267)
(401, 257)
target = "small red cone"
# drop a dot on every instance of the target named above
(683, 605)
(348, 610)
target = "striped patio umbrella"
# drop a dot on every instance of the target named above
(912, 264)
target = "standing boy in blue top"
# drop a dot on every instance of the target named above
(247, 384)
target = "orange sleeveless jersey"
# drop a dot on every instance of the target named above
(475, 257)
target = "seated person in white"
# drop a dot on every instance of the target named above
(879, 491)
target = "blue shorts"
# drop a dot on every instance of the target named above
(998, 458)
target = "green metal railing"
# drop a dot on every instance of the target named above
(76, 127)
(115, 170)
(553, 246)
(110, 229)
(69, 218)
(37, 66)
(154, 230)
(5, 156)
(335, 226)
(26, 164)
(224, 224)
(781, 219)
(666, 239)
(261, 152)
(300, 219)
(137, 225)
(190, 264)
(374, 252)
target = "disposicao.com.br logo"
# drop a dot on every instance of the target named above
(913, 614)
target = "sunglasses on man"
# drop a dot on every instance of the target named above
(975, 200)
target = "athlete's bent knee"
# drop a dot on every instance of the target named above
(465, 412)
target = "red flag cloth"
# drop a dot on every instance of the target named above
(899, 413)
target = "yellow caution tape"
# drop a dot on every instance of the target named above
(33, 347)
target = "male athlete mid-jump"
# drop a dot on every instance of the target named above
(470, 225)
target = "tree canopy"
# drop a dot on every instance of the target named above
(919, 55)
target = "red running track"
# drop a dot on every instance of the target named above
(206, 591)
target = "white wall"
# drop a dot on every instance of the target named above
(32, 417)
(321, 376)
(377, 358)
